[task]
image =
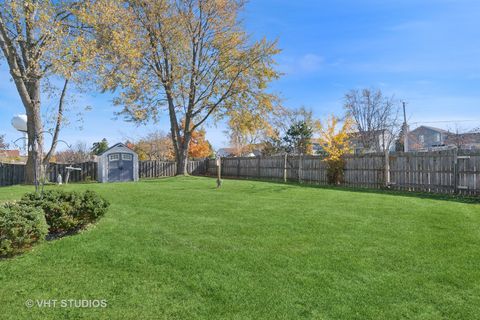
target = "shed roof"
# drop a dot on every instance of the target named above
(116, 146)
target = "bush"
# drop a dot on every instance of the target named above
(68, 211)
(335, 171)
(21, 226)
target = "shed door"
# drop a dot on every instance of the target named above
(120, 167)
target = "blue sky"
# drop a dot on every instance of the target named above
(426, 52)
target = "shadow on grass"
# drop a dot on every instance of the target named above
(412, 194)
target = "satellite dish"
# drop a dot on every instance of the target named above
(19, 122)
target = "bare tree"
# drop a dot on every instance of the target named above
(460, 138)
(3, 144)
(79, 153)
(376, 120)
(154, 146)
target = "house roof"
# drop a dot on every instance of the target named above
(226, 150)
(232, 151)
(431, 128)
(360, 133)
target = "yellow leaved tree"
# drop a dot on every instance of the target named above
(335, 143)
(42, 42)
(192, 61)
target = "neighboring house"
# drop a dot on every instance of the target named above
(426, 138)
(9, 153)
(317, 147)
(226, 152)
(234, 152)
(465, 141)
(256, 153)
(381, 139)
(12, 156)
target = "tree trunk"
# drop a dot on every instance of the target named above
(182, 162)
(35, 167)
(182, 156)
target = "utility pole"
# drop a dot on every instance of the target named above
(405, 129)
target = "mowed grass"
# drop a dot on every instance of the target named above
(179, 248)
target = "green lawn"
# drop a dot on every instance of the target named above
(178, 248)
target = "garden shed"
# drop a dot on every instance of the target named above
(118, 163)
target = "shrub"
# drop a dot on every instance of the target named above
(68, 211)
(93, 206)
(21, 226)
(335, 171)
(336, 144)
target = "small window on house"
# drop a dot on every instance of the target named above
(437, 137)
(114, 157)
(422, 139)
(127, 157)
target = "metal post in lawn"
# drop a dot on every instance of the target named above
(219, 171)
(285, 161)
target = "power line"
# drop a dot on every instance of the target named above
(445, 121)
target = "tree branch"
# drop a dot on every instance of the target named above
(58, 124)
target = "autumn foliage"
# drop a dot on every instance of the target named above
(335, 143)
(193, 59)
(199, 145)
(158, 146)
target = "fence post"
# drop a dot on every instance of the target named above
(238, 167)
(456, 174)
(285, 162)
(258, 166)
(300, 168)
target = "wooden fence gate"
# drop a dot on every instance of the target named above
(468, 173)
(451, 172)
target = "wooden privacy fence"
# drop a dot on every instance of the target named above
(456, 172)
(452, 172)
(157, 169)
(302, 168)
(88, 172)
(11, 174)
